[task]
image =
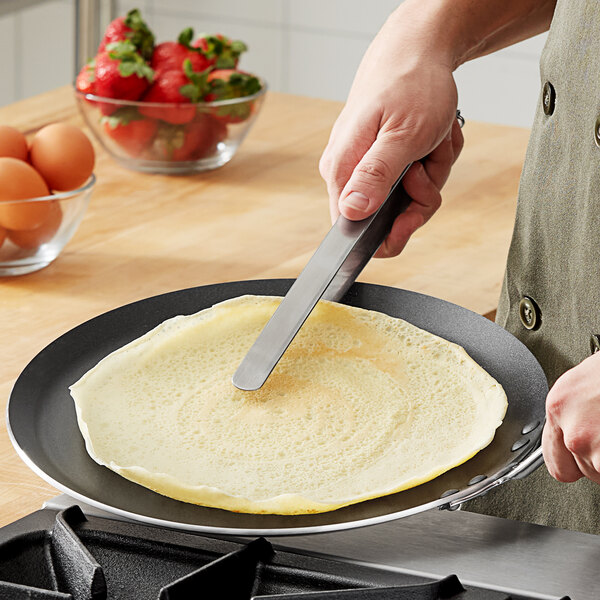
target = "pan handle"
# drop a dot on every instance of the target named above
(521, 470)
(527, 466)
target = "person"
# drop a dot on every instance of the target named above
(401, 108)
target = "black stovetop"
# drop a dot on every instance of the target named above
(64, 555)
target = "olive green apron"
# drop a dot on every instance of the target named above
(554, 258)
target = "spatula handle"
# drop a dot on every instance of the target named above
(369, 234)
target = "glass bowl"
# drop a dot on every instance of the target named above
(155, 137)
(24, 249)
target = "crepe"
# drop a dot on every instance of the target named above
(361, 405)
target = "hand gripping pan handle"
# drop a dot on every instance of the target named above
(339, 259)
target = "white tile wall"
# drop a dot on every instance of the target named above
(359, 17)
(145, 6)
(310, 75)
(308, 47)
(10, 89)
(46, 53)
(264, 12)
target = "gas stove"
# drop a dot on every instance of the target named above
(69, 551)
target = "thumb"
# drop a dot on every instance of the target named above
(372, 178)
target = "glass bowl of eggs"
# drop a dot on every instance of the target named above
(171, 138)
(45, 188)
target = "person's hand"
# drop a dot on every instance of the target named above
(571, 436)
(401, 108)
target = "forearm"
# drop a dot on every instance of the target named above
(461, 30)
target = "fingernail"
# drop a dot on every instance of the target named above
(356, 200)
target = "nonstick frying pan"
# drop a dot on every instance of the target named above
(43, 428)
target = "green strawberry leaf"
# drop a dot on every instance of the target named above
(237, 47)
(121, 49)
(141, 36)
(227, 51)
(134, 67)
(198, 86)
(144, 42)
(238, 85)
(189, 90)
(185, 37)
(130, 60)
(245, 84)
(145, 70)
(126, 68)
(225, 62)
(90, 67)
(236, 111)
(214, 46)
(218, 87)
(122, 116)
(134, 20)
(209, 51)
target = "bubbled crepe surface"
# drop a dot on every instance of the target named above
(361, 405)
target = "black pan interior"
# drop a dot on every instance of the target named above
(42, 418)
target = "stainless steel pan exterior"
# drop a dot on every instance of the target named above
(43, 428)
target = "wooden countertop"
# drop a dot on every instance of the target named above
(260, 216)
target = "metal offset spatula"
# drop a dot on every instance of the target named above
(338, 261)
(342, 255)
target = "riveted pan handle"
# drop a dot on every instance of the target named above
(518, 471)
(527, 466)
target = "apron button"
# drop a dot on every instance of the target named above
(597, 132)
(548, 98)
(595, 343)
(529, 313)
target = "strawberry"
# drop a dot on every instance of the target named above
(121, 73)
(133, 132)
(170, 56)
(194, 140)
(86, 77)
(181, 86)
(226, 84)
(132, 28)
(222, 52)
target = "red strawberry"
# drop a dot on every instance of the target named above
(181, 86)
(132, 28)
(121, 73)
(191, 141)
(170, 56)
(222, 52)
(85, 79)
(133, 132)
(226, 84)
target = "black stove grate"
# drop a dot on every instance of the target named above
(63, 556)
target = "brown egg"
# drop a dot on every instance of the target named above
(12, 143)
(33, 238)
(20, 181)
(63, 155)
